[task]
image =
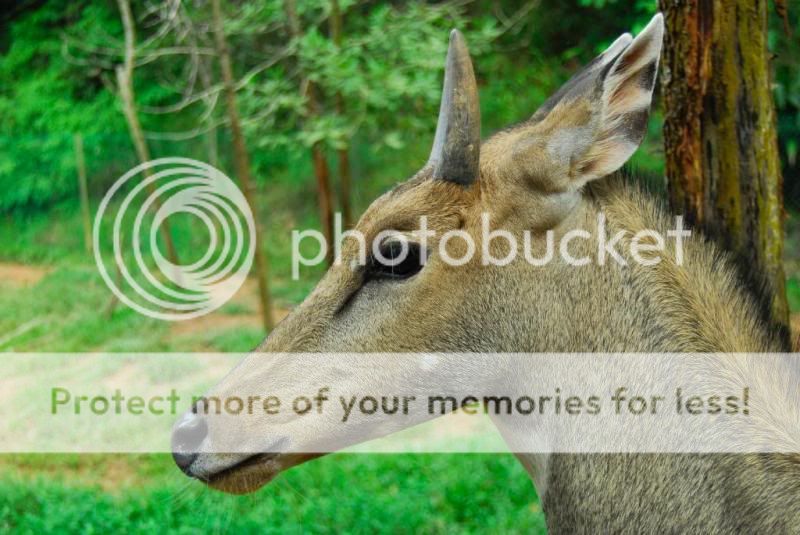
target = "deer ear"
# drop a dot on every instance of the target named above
(584, 81)
(627, 92)
(592, 125)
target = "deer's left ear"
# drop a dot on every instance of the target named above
(595, 123)
(627, 93)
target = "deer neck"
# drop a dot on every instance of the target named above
(692, 300)
(698, 305)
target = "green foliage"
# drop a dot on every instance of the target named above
(57, 60)
(397, 493)
(786, 48)
(793, 294)
(44, 100)
(645, 8)
(387, 72)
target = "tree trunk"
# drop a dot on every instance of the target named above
(242, 163)
(324, 196)
(212, 143)
(345, 180)
(722, 162)
(345, 176)
(80, 164)
(321, 170)
(125, 86)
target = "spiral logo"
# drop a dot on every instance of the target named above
(131, 260)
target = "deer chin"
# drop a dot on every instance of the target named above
(253, 472)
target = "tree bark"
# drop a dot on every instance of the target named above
(242, 163)
(345, 176)
(345, 181)
(321, 169)
(125, 86)
(80, 164)
(722, 161)
(204, 72)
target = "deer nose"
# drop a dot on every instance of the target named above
(187, 436)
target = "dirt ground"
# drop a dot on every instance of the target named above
(21, 274)
(245, 299)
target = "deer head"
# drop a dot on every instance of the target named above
(529, 178)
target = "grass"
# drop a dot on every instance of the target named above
(340, 493)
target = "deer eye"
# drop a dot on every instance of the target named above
(397, 260)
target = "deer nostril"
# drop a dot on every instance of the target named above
(187, 436)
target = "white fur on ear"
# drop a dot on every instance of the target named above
(616, 47)
(584, 81)
(629, 84)
(626, 98)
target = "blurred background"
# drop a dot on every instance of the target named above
(336, 101)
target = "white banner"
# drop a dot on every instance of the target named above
(307, 403)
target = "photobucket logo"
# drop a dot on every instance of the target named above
(500, 247)
(138, 205)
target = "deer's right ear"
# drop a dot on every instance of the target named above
(592, 125)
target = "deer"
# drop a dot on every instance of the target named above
(556, 171)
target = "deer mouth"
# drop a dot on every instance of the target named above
(247, 475)
(252, 473)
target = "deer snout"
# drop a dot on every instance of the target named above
(188, 434)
